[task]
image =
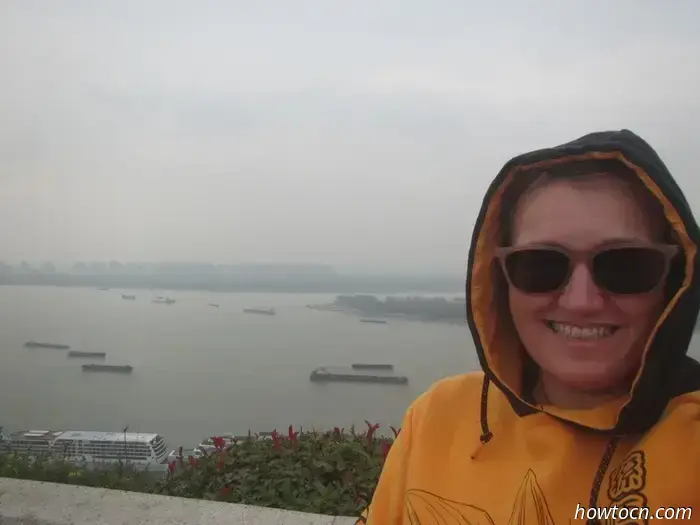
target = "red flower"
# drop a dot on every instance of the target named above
(221, 464)
(386, 447)
(276, 438)
(292, 435)
(171, 466)
(336, 432)
(193, 461)
(219, 443)
(225, 491)
(371, 429)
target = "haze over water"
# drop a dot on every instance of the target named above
(359, 134)
(201, 371)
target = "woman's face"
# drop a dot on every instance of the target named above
(583, 215)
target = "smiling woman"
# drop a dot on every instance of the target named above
(582, 295)
(590, 252)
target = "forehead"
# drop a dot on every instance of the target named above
(581, 213)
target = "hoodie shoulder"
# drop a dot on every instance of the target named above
(456, 385)
(438, 404)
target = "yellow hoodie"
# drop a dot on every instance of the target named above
(475, 449)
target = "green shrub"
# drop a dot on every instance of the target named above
(46, 468)
(333, 472)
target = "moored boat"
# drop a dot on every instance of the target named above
(32, 442)
(90, 448)
(110, 447)
(208, 444)
(186, 452)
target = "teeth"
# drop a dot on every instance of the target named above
(578, 332)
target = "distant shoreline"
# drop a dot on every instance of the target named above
(336, 284)
(425, 309)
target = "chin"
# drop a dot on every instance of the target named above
(591, 380)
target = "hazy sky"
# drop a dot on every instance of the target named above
(359, 133)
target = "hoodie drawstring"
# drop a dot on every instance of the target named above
(486, 434)
(600, 474)
(610, 448)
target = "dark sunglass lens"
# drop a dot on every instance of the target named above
(537, 270)
(631, 270)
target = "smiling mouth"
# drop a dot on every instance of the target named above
(582, 332)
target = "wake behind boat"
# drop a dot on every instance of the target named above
(35, 344)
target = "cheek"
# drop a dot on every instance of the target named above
(641, 310)
(524, 306)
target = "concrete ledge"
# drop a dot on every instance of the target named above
(35, 503)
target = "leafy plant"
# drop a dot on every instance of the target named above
(42, 467)
(330, 472)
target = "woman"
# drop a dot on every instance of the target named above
(582, 297)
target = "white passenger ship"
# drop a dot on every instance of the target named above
(92, 447)
(32, 441)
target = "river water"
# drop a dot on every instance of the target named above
(201, 371)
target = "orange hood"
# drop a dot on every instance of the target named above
(665, 371)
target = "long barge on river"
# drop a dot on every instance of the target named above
(96, 355)
(323, 374)
(124, 369)
(35, 344)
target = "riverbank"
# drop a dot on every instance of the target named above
(336, 284)
(426, 309)
(333, 472)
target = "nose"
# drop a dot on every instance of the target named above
(581, 293)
